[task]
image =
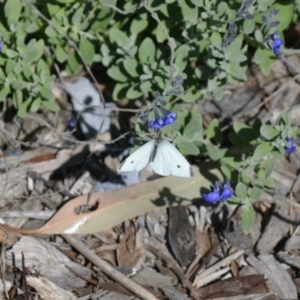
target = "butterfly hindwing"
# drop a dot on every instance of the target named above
(167, 160)
(138, 159)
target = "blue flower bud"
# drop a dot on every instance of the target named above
(277, 42)
(226, 192)
(158, 123)
(291, 148)
(72, 124)
(213, 196)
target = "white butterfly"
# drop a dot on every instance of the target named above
(163, 157)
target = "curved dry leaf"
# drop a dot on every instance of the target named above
(112, 208)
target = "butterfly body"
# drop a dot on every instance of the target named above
(163, 157)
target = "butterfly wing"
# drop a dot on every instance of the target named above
(138, 159)
(167, 160)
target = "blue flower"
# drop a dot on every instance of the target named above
(156, 124)
(291, 148)
(277, 42)
(213, 196)
(226, 192)
(72, 124)
(169, 118)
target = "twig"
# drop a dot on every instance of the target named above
(120, 11)
(223, 263)
(107, 269)
(176, 270)
(2, 267)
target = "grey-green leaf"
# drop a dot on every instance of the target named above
(262, 150)
(147, 51)
(268, 132)
(241, 191)
(248, 218)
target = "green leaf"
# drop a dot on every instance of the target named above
(241, 191)
(4, 91)
(198, 3)
(189, 11)
(51, 105)
(259, 56)
(116, 36)
(19, 84)
(244, 178)
(218, 93)
(269, 165)
(60, 53)
(268, 132)
(11, 53)
(77, 16)
(266, 64)
(215, 153)
(262, 150)
(39, 46)
(248, 218)
(237, 57)
(159, 33)
(130, 65)
(237, 72)
(235, 45)
(236, 140)
(213, 131)
(35, 105)
(73, 65)
(285, 12)
(145, 86)
(249, 25)
(137, 26)
(216, 39)
(194, 126)
(269, 182)
(226, 171)
(115, 73)
(12, 10)
(191, 96)
(87, 50)
(255, 193)
(187, 148)
(245, 132)
(232, 162)
(120, 91)
(258, 35)
(181, 57)
(134, 92)
(147, 51)
(284, 118)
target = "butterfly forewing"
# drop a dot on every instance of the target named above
(167, 160)
(138, 159)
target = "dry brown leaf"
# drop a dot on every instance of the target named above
(123, 204)
(203, 243)
(234, 286)
(131, 252)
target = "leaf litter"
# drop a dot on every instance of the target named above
(61, 239)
